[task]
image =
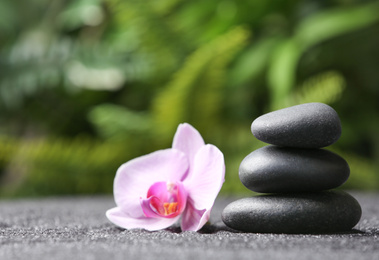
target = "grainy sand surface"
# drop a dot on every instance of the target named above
(76, 228)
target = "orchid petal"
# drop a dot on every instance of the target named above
(158, 195)
(207, 177)
(182, 197)
(146, 207)
(134, 178)
(119, 218)
(159, 190)
(188, 140)
(193, 219)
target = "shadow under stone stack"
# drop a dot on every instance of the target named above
(297, 173)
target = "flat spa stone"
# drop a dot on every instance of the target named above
(310, 125)
(301, 213)
(275, 169)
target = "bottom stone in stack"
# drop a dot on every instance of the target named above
(301, 213)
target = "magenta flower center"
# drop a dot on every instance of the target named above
(166, 199)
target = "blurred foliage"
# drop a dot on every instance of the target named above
(86, 85)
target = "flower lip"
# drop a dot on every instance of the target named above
(164, 199)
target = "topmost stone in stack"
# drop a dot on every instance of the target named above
(311, 125)
(294, 163)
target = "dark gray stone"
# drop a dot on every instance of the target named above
(302, 213)
(311, 125)
(273, 169)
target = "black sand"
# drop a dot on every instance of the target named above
(76, 228)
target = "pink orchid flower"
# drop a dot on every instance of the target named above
(154, 191)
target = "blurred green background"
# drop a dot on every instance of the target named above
(86, 85)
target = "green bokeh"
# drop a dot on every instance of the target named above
(86, 85)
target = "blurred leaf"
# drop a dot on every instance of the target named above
(82, 13)
(116, 123)
(313, 30)
(59, 166)
(326, 88)
(159, 41)
(332, 23)
(8, 149)
(171, 105)
(8, 18)
(253, 61)
(94, 78)
(363, 173)
(281, 74)
(170, 61)
(165, 6)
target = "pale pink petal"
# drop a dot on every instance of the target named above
(134, 178)
(121, 219)
(193, 219)
(207, 177)
(188, 140)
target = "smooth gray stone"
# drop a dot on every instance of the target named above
(274, 169)
(311, 125)
(301, 213)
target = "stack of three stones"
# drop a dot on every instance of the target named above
(297, 174)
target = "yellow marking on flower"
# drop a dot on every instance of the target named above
(170, 208)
